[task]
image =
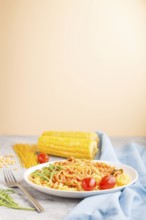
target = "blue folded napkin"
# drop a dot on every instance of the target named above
(127, 204)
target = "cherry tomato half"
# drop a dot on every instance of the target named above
(107, 182)
(42, 158)
(88, 183)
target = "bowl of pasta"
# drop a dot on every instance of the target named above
(80, 178)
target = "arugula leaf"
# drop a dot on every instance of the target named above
(7, 200)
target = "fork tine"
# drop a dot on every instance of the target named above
(8, 176)
(12, 176)
(5, 175)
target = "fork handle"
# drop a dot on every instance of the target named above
(35, 203)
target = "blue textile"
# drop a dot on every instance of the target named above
(128, 204)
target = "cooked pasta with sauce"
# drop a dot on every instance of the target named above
(79, 175)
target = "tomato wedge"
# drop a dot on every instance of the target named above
(42, 158)
(88, 183)
(107, 182)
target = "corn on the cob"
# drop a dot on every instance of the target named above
(65, 144)
(72, 134)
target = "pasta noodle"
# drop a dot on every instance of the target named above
(26, 154)
(69, 174)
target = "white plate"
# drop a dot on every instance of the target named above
(80, 194)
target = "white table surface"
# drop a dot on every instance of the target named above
(56, 208)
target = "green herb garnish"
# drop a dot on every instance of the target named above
(7, 200)
(47, 173)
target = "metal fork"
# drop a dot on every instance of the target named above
(12, 183)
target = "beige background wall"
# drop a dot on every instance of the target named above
(73, 65)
